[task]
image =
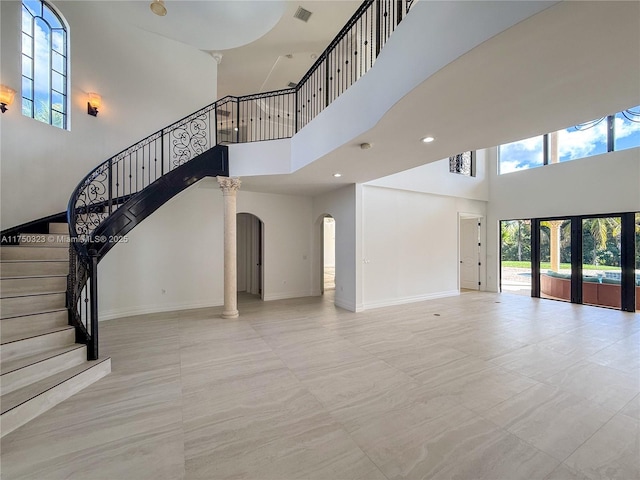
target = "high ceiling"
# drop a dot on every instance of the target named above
(287, 51)
(206, 25)
(558, 68)
(263, 46)
(570, 63)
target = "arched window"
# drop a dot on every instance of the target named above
(44, 64)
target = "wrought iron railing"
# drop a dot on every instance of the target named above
(348, 57)
(258, 117)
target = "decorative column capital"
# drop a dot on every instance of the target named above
(228, 185)
(217, 56)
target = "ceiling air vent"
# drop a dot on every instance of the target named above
(223, 113)
(302, 14)
(292, 85)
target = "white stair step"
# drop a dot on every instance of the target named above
(24, 252)
(62, 228)
(28, 305)
(27, 370)
(15, 348)
(26, 268)
(25, 404)
(30, 325)
(18, 287)
(44, 239)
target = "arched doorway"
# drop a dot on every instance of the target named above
(250, 254)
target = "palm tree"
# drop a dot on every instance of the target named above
(513, 231)
(602, 229)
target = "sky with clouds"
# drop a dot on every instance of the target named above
(47, 31)
(573, 143)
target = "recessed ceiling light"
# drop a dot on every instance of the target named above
(337, 175)
(428, 139)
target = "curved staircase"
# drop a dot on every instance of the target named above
(48, 289)
(41, 362)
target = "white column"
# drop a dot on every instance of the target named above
(229, 187)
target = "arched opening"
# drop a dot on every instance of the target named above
(250, 254)
(328, 254)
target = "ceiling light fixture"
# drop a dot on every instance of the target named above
(428, 139)
(157, 7)
(337, 175)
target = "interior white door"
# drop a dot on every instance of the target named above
(469, 253)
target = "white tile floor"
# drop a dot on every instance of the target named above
(479, 386)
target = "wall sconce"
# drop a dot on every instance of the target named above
(93, 104)
(6, 97)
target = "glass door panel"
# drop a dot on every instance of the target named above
(601, 270)
(515, 273)
(637, 261)
(555, 259)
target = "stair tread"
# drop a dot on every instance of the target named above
(28, 260)
(44, 292)
(38, 312)
(24, 336)
(38, 245)
(40, 275)
(13, 365)
(55, 310)
(37, 295)
(16, 398)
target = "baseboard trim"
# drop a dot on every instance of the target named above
(347, 305)
(412, 299)
(144, 310)
(285, 296)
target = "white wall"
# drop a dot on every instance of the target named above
(345, 206)
(287, 234)
(260, 158)
(410, 245)
(172, 260)
(435, 178)
(146, 82)
(607, 183)
(179, 249)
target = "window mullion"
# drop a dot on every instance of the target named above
(611, 125)
(50, 75)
